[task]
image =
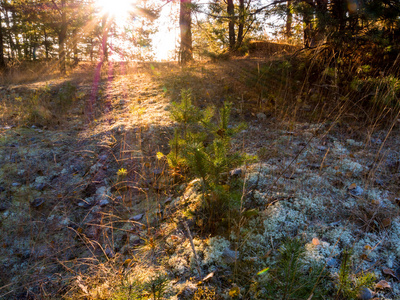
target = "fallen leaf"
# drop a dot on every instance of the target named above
(174, 237)
(208, 276)
(367, 247)
(383, 284)
(365, 257)
(127, 262)
(234, 292)
(386, 222)
(315, 242)
(389, 272)
(352, 186)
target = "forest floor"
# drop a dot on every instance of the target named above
(87, 211)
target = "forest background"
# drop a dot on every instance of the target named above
(221, 149)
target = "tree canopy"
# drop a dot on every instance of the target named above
(73, 30)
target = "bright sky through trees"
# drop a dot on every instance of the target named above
(164, 40)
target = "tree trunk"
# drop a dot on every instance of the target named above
(2, 60)
(339, 14)
(185, 23)
(289, 19)
(241, 24)
(104, 41)
(16, 37)
(307, 30)
(61, 38)
(10, 39)
(46, 43)
(231, 26)
(75, 45)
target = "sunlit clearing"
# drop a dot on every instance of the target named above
(116, 8)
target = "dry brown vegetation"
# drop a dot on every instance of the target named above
(89, 212)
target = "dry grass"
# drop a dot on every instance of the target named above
(114, 255)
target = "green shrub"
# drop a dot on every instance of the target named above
(290, 278)
(348, 284)
(201, 147)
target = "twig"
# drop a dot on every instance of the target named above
(194, 250)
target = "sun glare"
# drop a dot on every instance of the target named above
(116, 8)
(163, 41)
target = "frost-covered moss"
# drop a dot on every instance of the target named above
(213, 254)
(395, 236)
(320, 252)
(281, 221)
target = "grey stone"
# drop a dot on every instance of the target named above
(261, 116)
(36, 203)
(110, 253)
(40, 186)
(321, 148)
(236, 172)
(15, 184)
(104, 202)
(357, 191)
(137, 217)
(332, 262)
(87, 203)
(4, 206)
(365, 294)
(229, 256)
(157, 171)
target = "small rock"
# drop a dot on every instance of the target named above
(366, 294)
(357, 191)
(137, 217)
(109, 252)
(87, 203)
(65, 222)
(4, 206)
(104, 202)
(397, 273)
(236, 172)
(157, 171)
(40, 186)
(36, 203)
(376, 141)
(15, 184)
(229, 256)
(332, 262)
(168, 200)
(103, 157)
(261, 116)
(321, 148)
(102, 191)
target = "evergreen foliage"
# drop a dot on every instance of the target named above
(349, 285)
(290, 278)
(201, 147)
